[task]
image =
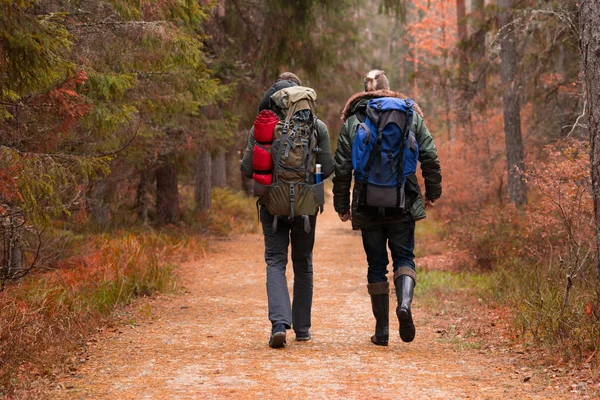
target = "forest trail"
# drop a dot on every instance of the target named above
(211, 341)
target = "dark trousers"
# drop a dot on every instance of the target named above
(399, 236)
(276, 256)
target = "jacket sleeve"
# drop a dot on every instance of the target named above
(342, 181)
(324, 157)
(428, 157)
(246, 164)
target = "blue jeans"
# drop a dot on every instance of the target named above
(400, 237)
(298, 313)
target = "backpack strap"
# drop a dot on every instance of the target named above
(285, 139)
(292, 200)
(400, 198)
(361, 116)
(372, 156)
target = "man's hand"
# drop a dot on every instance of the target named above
(430, 203)
(345, 216)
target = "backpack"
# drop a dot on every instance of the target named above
(385, 152)
(262, 163)
(292, 191)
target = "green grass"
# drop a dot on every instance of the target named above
(48, 315)
(430, 236)
(432, 284)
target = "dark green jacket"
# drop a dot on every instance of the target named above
(342, 181)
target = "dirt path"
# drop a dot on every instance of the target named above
(211, 341)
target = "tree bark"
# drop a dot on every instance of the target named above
(589, 28)
(517, 191)
(234, 176)
(219, 169)
(478, 52)
(463, 60)
(142, 202)
(167, 192)
(203, 181)
(99, 205)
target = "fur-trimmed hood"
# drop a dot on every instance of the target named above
(350, 108)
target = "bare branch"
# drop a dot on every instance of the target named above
(576, 124)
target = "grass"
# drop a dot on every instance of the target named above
(231, 211)
(432, 284)
(543, 313)
(430, 236)
(47, 317)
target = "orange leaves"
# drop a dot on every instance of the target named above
(432, 32)
(68, 104)
(9, 188)
(589, 309)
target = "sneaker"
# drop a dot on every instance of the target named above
(277, 339)
(303, 336)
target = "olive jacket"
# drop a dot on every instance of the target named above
(367, 217)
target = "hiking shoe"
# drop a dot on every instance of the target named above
(277, 339)
(303, 336)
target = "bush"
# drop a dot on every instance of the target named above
(544, 254)
(491, 236)
(231, 211)
(47, 315)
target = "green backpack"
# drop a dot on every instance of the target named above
(293, 191)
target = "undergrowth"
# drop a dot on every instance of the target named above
(48, 316)
(543, 257)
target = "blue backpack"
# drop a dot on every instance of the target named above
(385, 152)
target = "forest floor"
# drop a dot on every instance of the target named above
(209, 340)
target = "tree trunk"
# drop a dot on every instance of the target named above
(219, 169)
(589, 28)
(234, 176)
(15, 264)
(446, 86)
(221, 8)
(99, 205)
(203, 181)
(463, 60)
(478, 52)
(142, 202)
(517, 191)
(167, 192)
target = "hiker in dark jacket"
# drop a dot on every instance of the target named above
(278, 235)
(394, 227)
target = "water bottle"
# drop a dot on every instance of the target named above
(318, 174)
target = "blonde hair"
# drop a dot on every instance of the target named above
(376, 80)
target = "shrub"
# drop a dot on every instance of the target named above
(231, 211)
(46, 315)
(544, 254)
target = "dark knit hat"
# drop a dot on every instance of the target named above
(376, 80)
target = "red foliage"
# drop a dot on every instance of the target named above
(9, 188)
(66, 102)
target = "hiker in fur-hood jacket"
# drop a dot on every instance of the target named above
(381, 226)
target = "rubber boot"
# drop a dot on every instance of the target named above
(404, 292)
(380, 303)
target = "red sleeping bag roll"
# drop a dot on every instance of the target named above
(264, 126)
(265, 179)
(261, 158)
